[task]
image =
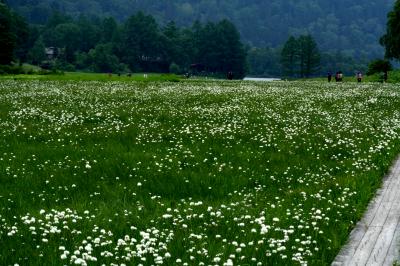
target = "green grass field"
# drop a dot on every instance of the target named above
(189, 173)
(81, 76)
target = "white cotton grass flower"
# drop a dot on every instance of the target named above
(217, 259)
(229, 262)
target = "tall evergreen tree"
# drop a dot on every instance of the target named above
(300, 56)
(207, 44)
(172, 44)
(89, 33)
(391, 40)
(289, 57)
(220, 49)
(21, 31)
(7, 35)
(141, 42)
(309, 56)
(232, 53)
(37, 53)
(109, 30)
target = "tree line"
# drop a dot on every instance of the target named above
(139, 44)
(352, 27)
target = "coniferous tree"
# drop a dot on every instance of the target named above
(109, 30)
(232, 54)
(141, 42)
(21, 31)
(207, 45)
(37, 53)
(7, 36)
(103, 45)
(220, 49)
(89, 33)
(289, 57)
(172, 44)
(309, 56)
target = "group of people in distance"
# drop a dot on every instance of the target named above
(338, 76)
(359, 76)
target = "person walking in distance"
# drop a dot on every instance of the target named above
(385, 76)
(340, 76)
(329, 76)
(359, 77)
(230, 75)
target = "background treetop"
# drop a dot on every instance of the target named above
(353, 27)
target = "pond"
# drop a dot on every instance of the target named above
(261, 79)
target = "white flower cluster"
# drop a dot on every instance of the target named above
(189, 173)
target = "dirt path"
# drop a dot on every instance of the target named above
(376, 238)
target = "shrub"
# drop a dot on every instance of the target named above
(174, 68)
(378, 66)
(11, 69)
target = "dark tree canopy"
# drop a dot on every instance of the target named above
(14, 36)
(202, 36)
(7, 35)
(289, 57)
(309, 56)
(300, 57)
(391, 40)
(379, 66)
(353, 27)
(139, 44)
(142, 47)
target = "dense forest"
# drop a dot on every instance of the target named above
(353, 27)
(346, 32)
(137, 45)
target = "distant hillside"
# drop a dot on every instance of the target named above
(350, 26)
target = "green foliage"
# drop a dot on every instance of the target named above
(141, 44)
(309, 56)
(22, 34)
(175, 69)
(264, 62)
(350, 26)
(289, 57)
(178, 45)
(339, 61)
(379, 66)
(300, 56)
(219, 48)
(37, 54)
(391, 40)
(109, 30)
(347, 45)
(7, 35)
(11, 69)
(101, 59)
